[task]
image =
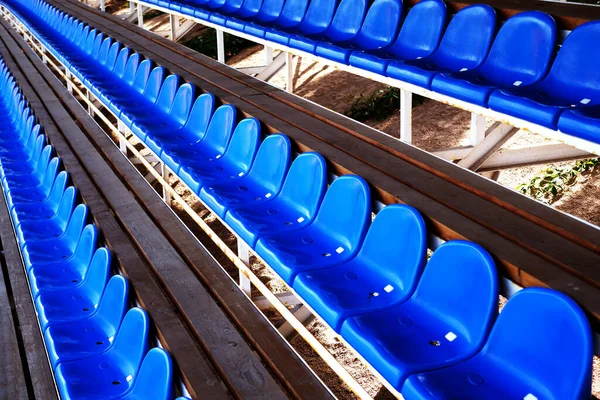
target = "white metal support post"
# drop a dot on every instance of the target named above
(140, 15)
(165, 175)
(102, 5)
(174, 26)
(131, 7)
(90, 98)
(405, 116)
(123, 129)
(477, 129)
(69, 81)
(268, 55)
(289, 63)
(220, 46)
(244, 255)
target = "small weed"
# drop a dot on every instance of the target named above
(551, 183)
(206, 43)
(379, 105)
(152, 14)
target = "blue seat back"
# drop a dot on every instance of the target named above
(85, 248)
(77, 223)
(155, 379)
(142, 74)
(154, 84)
(115, 298)
(395, 248)
(182, 103)
(85, 33)
(232, 6)
(131, 343)
(112, 55)
(51, 175)
(546, 339)
(270, 10)
(66, 207)
(460, 287)
(97, 44)
(380, 26)
(200, 116)
(305, 185)
(98, 273)
(346, 211)
(220, 129)
(244, 144)
(121, 62)
(133, 64)
(167, 93)
(271, 163)
(347, 20)
(575, 74)
(467, 39)
(416, 39)
(56, 186)
(318, 17)
(522, 51)
(103, 51)
(293, 13)
(249, 8)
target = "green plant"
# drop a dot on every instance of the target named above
(152, 14)
(206, 43)
(379, 105)
(551, 183)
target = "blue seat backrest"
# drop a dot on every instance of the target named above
(115, 298)
(142, 74)
(167, 93)
(345, 212)
(460, 286)
(154, 84)
(97, 44)
(180, 109)
(155, 379)
(88, 43)
(231, 6)
(200, 115)
(131, 68)
(417, 39)
(305, 185)
(380, 26)
(113, 53)
(272, 163)
(318, 17)
(121, 62)
(85, 33)
(575, 73)
(347, 20)
(396, 247)
(270, 10)
(131, 342)
(523, 49)
(86, 246)
(468, 38)
(293, 13)
(250, 8)
(219, 131)
(244, 143)
(98, 271)
(546, 338)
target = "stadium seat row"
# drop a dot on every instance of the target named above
(428, 327)
(513, 68)
(97, 345)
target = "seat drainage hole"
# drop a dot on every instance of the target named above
(242, 188)
(99, 343)
(289, 223)
(435, 343)
(64, 257)
(116, 382)
(86, 309)
(272, 211)
(56, 235)
(257, 198)
(75, 280)
(326, 254)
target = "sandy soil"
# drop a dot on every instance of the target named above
(435, 126)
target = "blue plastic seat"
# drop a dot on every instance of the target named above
(210, 144)
(262, 182)
(39, 200)
(291, 16)
(147, 88)
(384, 273)
(45, 279)
(293, 208)
(134, 79)
(226, 8)
(317, 19)
(247, 11)
(520, 56)
(539, 348)
(44, 228)
(334, 237)
(44, 171)
(93, 335)
(155, 379)
(111, 374)
(582, 122)
(269, 12)
(445, 321)
(177, 116)
(573, 82)
(346, 23)
(234, 163)
(379, 29)
(464, 46)
(415, 39)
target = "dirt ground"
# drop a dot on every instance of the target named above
(435, 126)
